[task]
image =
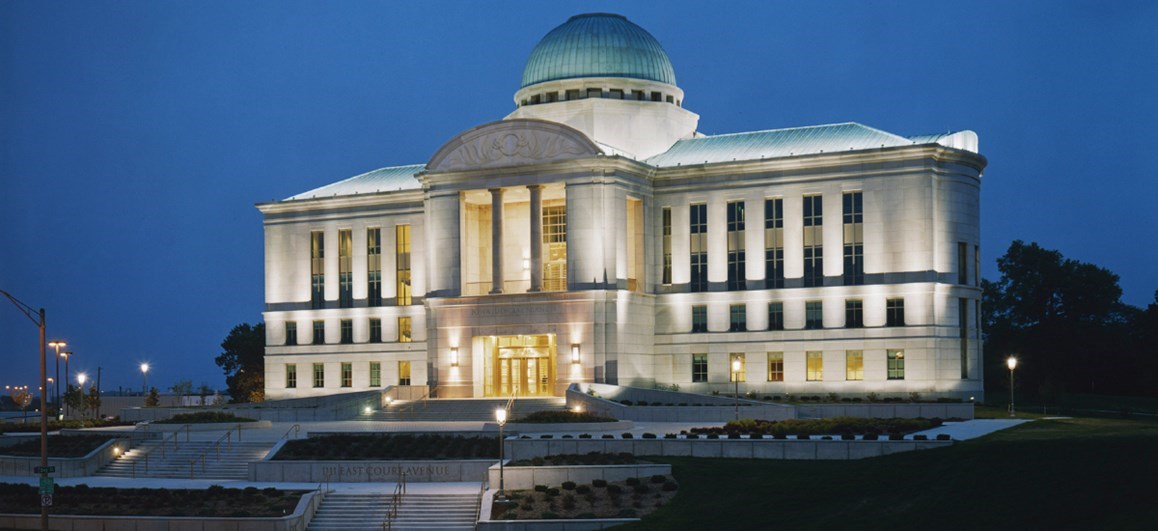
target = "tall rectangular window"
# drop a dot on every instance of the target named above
(699, 248)
(736, 268)
(963, 330)
(699, 367)
(345, 271)
(319, 333)
(404, 373)
(774, 243)
(667, 245)
(854, 365)
(853, 314)
(317, 269)
(895, 312)
(776, 316)
(346, 326)
(404, 330)
(374, 267)
(291, 376)
(737, 318)
(976, 265)
(814, 366)
(555, 245)
(402, 233)
(737, 374)
(375, 330)
(319, 375)
(853, 239)
(896, 364)
(291, 333)
(962, 261)
(699, 318)
(347, 374)
(375, 374)
(775, 366)
(813, 241)
(813, 315)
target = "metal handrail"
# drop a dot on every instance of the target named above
(296, 428)
(216, 448)
(395, 502)
(482, 490)
(409, 408)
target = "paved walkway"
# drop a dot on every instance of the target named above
(971, 429)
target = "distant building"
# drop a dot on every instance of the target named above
(595, 235)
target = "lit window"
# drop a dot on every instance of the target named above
(853, 239)
(775, 366)
(737, 374)
(776, 316)
(555, 247)
(813, 315)
(895, 312)
(374, 267)
(291, 333)
(854, 365)
(699, 319)
(853, 314)
(774, 243)
(319, 375)
(404, 330)
(699, 248)
(813, 241)
(317, 270)
(699, 367)
(375, 330)
(347, 374)
(404, 373)
(814, 366)
(291, 376)
(347, 329)
(345, 273)
(667, 245)
(736, 268)
(402, 233)
(896, 364)
(375, 374)
(319, 332)
(738, 318)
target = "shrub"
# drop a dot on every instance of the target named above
(642, 403)
(584, 435)
(713, 436)
(613, 489)
(870, 437)
(826, 438)
(608, 436)
(896, 436)
(631, 482)
(599, 483)
(540, 488)
(669, 436)
(555, 417)
(943, 437)
(658, 478)
(693, 436)
(626, 402)
(628, 435)
(568, 485)
(873, 397)
(546, 436)
(568, 501)
(641, 488)
(649, 436)
(581, 489)
(670, 486)
(553, 491)
(568, 436)
(847, 436)
(832, 397)
(920, 438)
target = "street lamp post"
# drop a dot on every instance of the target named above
(37, 318)
(736, 379)
(57, 344)
(66, 356)
(501, 417)
(144, 379)
(1012, 364)
(83, 406)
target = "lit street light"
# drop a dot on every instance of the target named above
(1012, 363)
(144, 379)
(501, 417)
(66, 356)
(736, 378)
(57, 344)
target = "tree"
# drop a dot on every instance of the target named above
(182, 389)
(203, 391)
(243, 361)
(74, 398)
(93, 400)
(22, 397)
(154, 398)
(1065, 320)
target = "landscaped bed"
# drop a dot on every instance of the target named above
(33, 425)
(632, 498)
(389, 447)
(58, 446)
(214, 501)
(839, 426)
(560, 417)
(205, 417)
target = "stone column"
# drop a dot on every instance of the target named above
(536, 237)
(496, 240)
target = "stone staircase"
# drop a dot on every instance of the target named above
(463, 409)
(177, 461)
(416, 511)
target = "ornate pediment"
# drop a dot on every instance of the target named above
(512, 143)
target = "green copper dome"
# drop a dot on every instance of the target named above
(598, 45)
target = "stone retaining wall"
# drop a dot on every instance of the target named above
(485, 522)
(363, 471)
(66, 467)
(728, 448)
(526, 477)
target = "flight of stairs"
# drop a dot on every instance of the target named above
(233, 462)
(417, 511)
(473, 409)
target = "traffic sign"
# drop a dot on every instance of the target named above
(45, 469)
(46, 500)
(46, 485)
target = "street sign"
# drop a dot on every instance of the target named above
(46, 485)
(46, 500)
(45, 469)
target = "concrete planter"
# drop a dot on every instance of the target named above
(485, 522)
(66, 467)
(298, 520)
(350, 471)
(812, 449)
(560, 427)
(526, 477)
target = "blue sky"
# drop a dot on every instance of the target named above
(136, 136)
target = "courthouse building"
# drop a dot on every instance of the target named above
(594, 234)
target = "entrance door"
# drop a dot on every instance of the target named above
(520, 366)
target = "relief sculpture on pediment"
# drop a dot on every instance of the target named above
(508, 146)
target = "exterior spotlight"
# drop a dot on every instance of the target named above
(117, 450)
(1011, 362)
(144, 379)
(81, 378)
(366, 410)
(575, 353)
(454, 356)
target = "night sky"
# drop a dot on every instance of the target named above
(135, 137)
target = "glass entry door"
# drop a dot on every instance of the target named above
(519, 365)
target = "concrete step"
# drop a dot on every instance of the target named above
(477, 410)
(416, 511)
(149, 459)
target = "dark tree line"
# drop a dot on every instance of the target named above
(1066, 322)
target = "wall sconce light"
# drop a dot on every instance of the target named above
(575, 353)
(454, 356)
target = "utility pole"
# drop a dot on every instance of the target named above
(98, 404)
(37, 317)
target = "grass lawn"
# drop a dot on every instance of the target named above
(1082, 473)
